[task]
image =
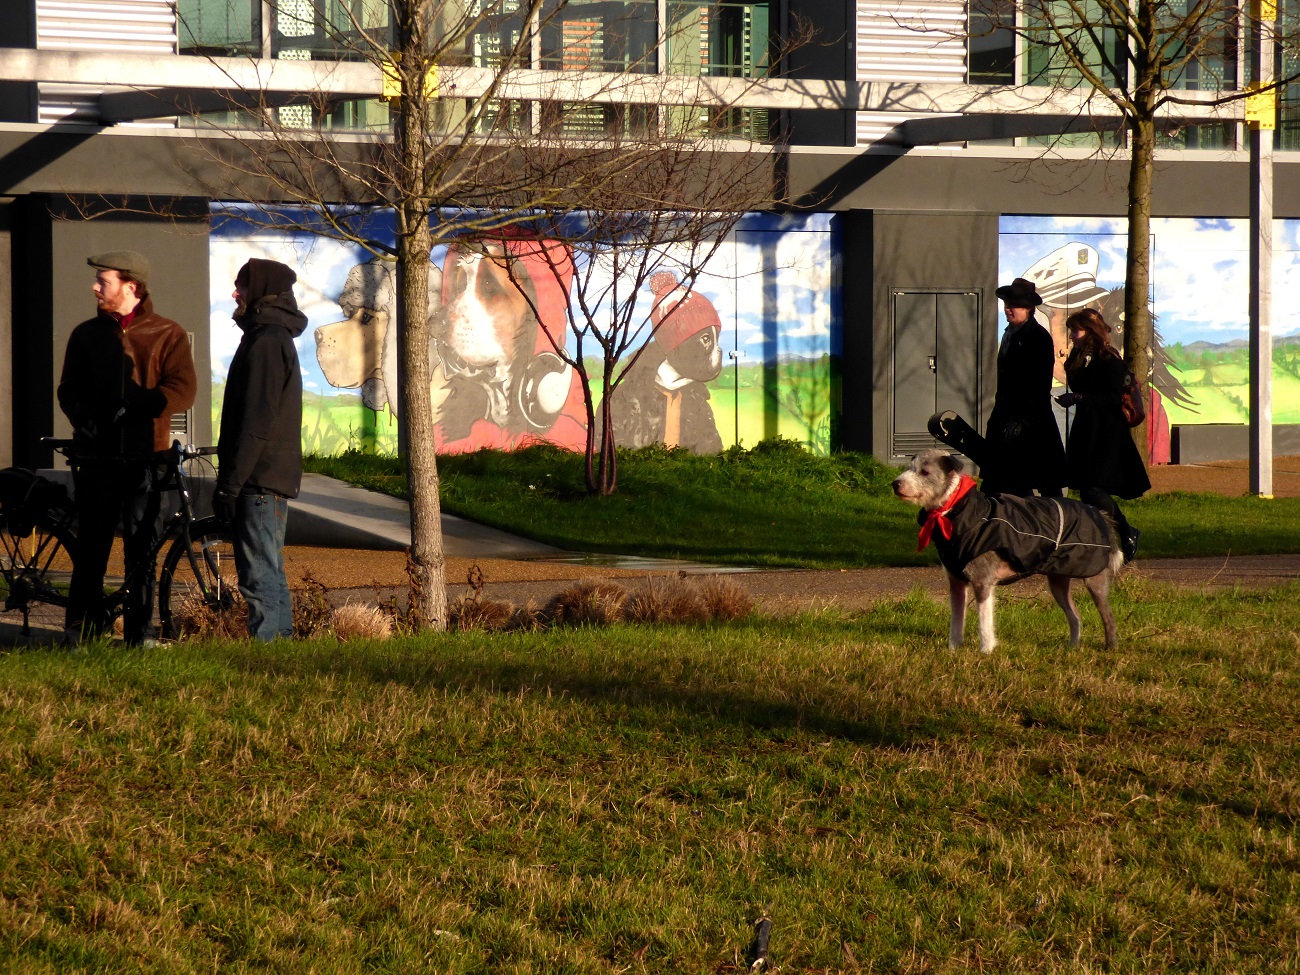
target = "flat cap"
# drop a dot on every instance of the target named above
(124, 262)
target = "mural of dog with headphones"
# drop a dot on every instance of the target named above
(663, 398)
(503, 313)
(496, 380)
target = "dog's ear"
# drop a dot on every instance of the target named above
(952, 463)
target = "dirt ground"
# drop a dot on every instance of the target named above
(355, 575)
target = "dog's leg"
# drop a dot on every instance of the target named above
(1060, 588)
(1099, 589)
(984, 599)
(984, 572)
(957, 603)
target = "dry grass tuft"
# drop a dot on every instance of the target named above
(356, 622)
(196, 620)
(529, 618)
(476, 613)
(725, 598)
(665, 599)
(587, 604)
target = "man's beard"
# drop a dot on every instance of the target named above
(241, 309)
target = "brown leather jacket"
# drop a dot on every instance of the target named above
(120, 387)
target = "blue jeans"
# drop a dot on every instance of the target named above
(260, 521)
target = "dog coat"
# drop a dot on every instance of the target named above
(1049, 536)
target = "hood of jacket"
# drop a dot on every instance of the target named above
(277, 311)
(259, 278)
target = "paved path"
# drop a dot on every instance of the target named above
(353, 541)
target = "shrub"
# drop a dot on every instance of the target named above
(666, 599)
(725, 598)
(476, 613)
(587, 603)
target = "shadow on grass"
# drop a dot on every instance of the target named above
(650, 684)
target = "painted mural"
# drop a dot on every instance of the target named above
(1199, 295)
(747, 352)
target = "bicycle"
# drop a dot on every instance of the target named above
(38, 546)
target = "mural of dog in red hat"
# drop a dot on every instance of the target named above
(663, 398)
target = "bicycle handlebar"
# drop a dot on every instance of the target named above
(176, 452)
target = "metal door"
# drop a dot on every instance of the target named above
(936, 363)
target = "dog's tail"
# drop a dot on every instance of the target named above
(1116, 562)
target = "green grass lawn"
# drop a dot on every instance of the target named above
(631, 799)
(774, 505)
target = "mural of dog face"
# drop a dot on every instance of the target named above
(360, 352)
(499, 361)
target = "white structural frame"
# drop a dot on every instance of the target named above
(145, 86)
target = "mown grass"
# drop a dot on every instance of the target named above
(773, 505)
(631, 799)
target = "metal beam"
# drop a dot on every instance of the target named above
(156, 78)
(1259, 135)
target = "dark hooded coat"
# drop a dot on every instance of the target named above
(1051, 536)
(1024, 442)
(1101, 452)
(260, 446)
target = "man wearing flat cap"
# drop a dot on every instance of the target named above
(125, 372)
(1024, 444)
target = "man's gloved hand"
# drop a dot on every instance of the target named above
(1070, 399)
(1013, 431)
(223, 507)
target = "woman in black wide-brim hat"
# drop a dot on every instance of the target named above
(1024, 443)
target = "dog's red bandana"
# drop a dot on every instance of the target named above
(938, 518)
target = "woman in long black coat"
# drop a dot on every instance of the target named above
(1101, 457)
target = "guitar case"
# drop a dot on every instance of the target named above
(949, 428)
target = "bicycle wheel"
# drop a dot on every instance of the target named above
(198, 591)
(35, 570)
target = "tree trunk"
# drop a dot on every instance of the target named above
(427, 564)
(1138, 339)
(608, 457)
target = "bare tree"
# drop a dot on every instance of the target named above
(448, 168)
(1142, 56)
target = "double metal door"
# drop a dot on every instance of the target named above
(936, 341)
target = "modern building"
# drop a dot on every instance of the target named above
(923, 168)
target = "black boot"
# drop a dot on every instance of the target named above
(1128, 542)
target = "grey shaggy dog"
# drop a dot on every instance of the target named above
(989, 540)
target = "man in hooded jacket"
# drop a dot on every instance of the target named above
(260, 446)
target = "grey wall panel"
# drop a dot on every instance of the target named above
(1186, 185)
(858, 363)
(6, 334)
(178, 253)
(33, 350)
(18, 99)
(924, 250)
(168, 162)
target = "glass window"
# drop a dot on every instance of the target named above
(991, 40)
(1287, 135)
(599, 35)
(219, 28)
(1054, 24)
(727, 39)
(723, 40)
